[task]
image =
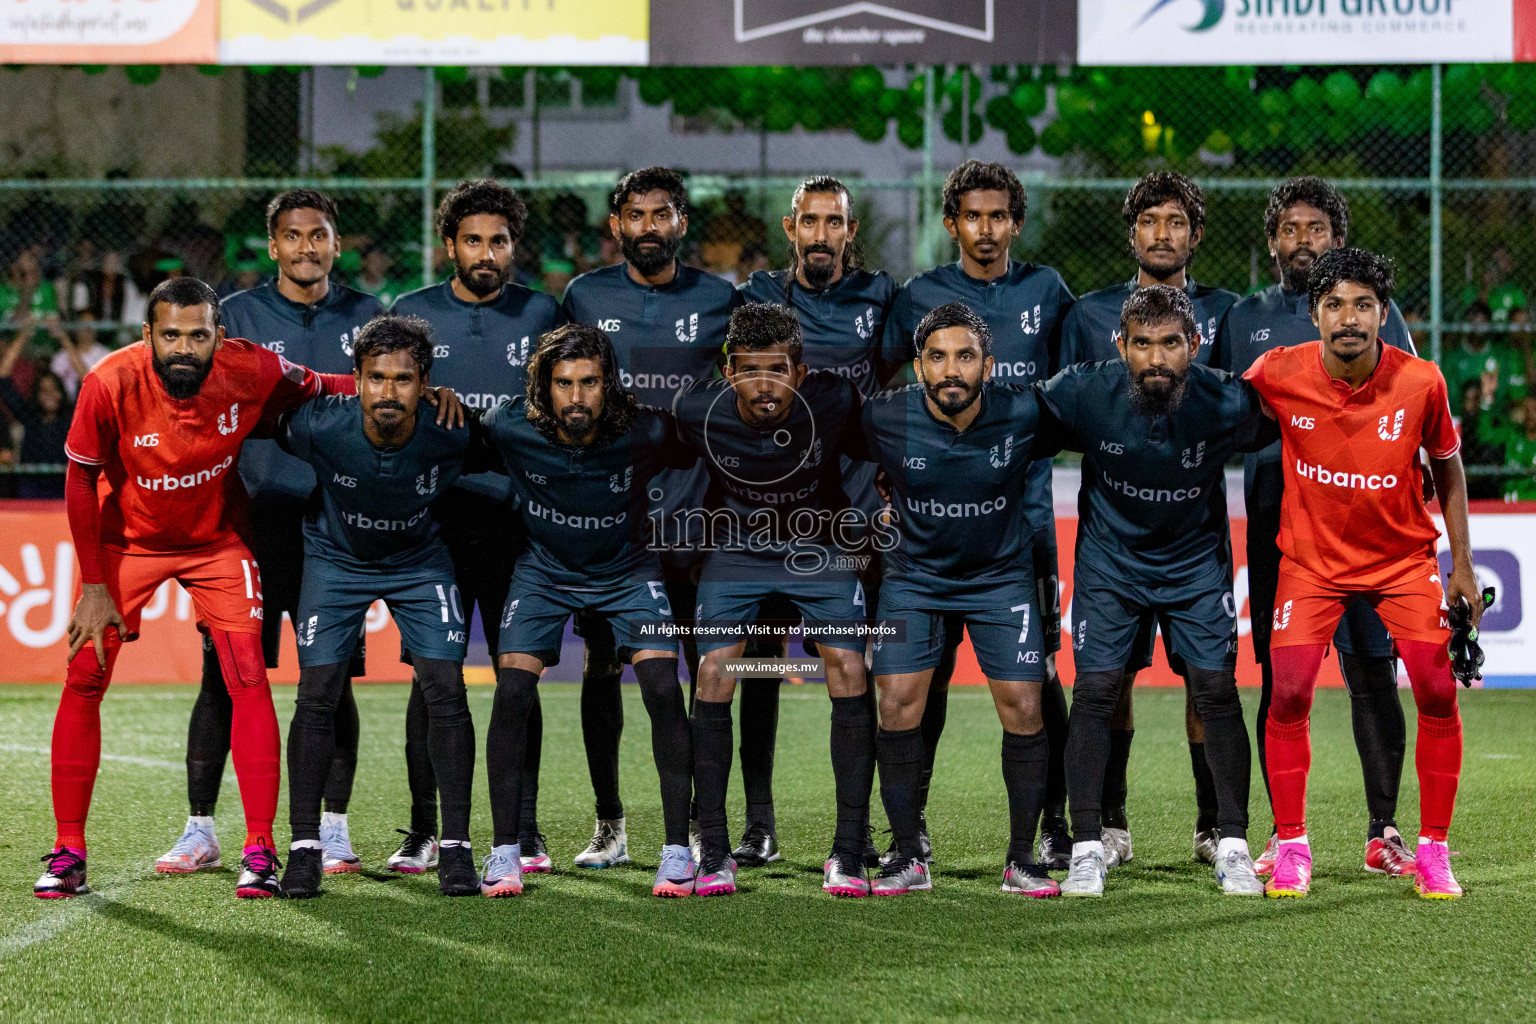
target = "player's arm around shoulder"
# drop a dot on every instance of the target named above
(1057, 402)
(497, 428)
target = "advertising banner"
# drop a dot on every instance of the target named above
(433, 32)
(37, 595)
(37, 581)
(109, 31)
(1183, 32)
(804, 32)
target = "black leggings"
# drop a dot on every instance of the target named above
(1094, 696)
(450, 742)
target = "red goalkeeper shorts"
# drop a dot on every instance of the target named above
(1411, 605)
(222, 580)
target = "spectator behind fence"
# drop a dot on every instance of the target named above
(375, 277)
(76, 355)
(1519, 438)
(106, 293)
(44, 420)
(25, 293)
(1495, 358)
(1481, 442)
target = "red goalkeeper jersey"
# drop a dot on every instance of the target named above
(171, 466)
(1353, 507)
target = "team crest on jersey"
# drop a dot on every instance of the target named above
(1283, 616)
(618, 486)
(1396, 429)
(1189, 462)
(234, 420)
(348, 339)
(811, 456)
(517, 352)
(688, 330)
(864, 323)
(1002, 454)
(426, 483)
(506, 616)
(305, 634)
(1030, 325)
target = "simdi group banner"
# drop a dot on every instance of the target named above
(37, 586)
(1182, 32)
(109, 31)
(434, 32)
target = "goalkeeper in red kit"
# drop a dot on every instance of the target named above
(153, 494)
(1353, 414)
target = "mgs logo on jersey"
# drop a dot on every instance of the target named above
(1001, 459)
(234, 420)
(1030, 325)
(1396, 430)
(517, 352)
(864, 323)
(688, 331)
(426, 483)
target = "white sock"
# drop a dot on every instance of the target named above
(1228, 844)
(1299, 839)
(332, 818)
(515, 851)
(1425, 839)
(1080, 849)
(448, 844)
(203, 821)
(304, 844)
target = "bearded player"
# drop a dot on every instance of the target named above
(163, 421)
(1353, 414)
(1164, 215)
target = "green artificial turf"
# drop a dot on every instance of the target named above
(1162, 944)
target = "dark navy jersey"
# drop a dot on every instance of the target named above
(958, 496)
(1153, 506)
(481, 349)
(372, 510)
(789, 472)
(1269, 319)
(1088, 334)
(843, 323)
(1025, 309)
(584, 506)
(318, 336)
(663, 337)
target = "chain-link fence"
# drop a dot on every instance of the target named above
(114, 179)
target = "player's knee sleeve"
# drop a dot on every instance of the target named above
(1295, 679)
(85, 678)
(1368, 676)
(442, 687)
(659, 686)
(241, 659)
(1214, 692)
(515, 689)
(320, 689)
(1096, 694)
(1429, 672)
